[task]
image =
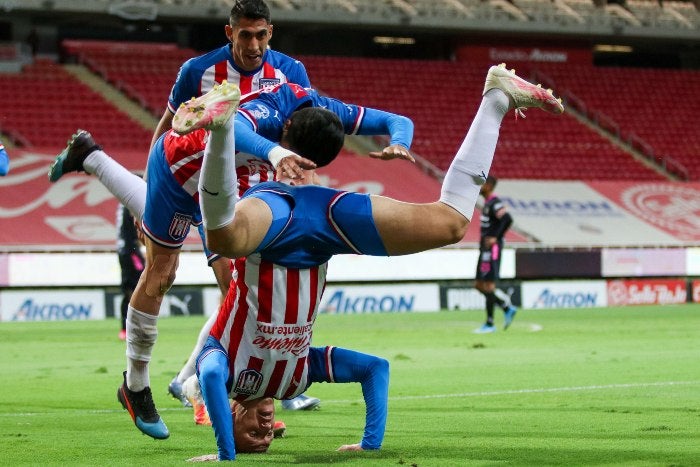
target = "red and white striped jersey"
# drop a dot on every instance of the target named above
(184, 155)
(265, 324)
(198, 75)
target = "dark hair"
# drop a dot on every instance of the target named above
(250, 9)
(315, 133)
(492, 181)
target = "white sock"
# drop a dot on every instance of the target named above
(471, 165)
(190, 367)
(141, 335)
(218, 185)
(128, 188)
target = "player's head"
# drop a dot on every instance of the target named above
(489, 185)
(249, 31)
(315, 133)
(252, 425)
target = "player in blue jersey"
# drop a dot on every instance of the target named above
(248, 61)
(245, 60)
(304, 226)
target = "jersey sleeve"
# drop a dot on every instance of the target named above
(247, 138)
(358, 120)
(297, 74)
(185, 87)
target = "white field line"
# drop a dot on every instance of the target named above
(424, 397)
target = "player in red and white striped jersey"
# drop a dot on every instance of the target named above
(300, 228)
(246, 61)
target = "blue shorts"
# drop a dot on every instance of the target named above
(170, 210)
(313, 223)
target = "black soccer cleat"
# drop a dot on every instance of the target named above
(71, 159)
(143, 411)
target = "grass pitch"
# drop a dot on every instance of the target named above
(616, 386)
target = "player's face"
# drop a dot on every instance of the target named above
(249, 38)
(253, 425)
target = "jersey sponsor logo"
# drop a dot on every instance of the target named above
(268, 83)
(179, 226)
(248, 382)
(297, 346)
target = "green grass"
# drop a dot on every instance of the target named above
(616, 386)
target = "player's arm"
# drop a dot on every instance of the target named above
(505, 220)
(213, 373)
(164, 125)
(358, 120)
(373, 374)
(183, 89)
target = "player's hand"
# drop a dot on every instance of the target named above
(292, 166)
(204, 458)
(350, 447)
(395, 151)
(489, 241)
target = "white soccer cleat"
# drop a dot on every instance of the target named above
(524, 94)
(211, 110)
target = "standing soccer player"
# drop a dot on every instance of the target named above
(248, 62)
(495, 222)
(131, 259)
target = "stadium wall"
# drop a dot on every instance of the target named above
(427, 282)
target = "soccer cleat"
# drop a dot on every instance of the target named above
(211, 110)
(201, 415)
(523, 93)
(175, 390)
(509, 315)
(279, 429)
(301, 402)
(142, 410)
(71, 159)
(485, 329)
(122, 335)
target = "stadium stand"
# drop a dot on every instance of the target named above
(441, 112)
(652, 107)
(143, 71)
(48, 104)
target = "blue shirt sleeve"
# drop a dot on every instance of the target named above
(358, 120)
(373, 374)
(379, 122)
(248, 141)
(4, 161)
(212, 373)
(184, 88)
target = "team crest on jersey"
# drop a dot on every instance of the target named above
(179, 226)
(259, 112)
(268, 83)
(248, 382)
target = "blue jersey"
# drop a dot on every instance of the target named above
(259, 122)
(198, 75)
